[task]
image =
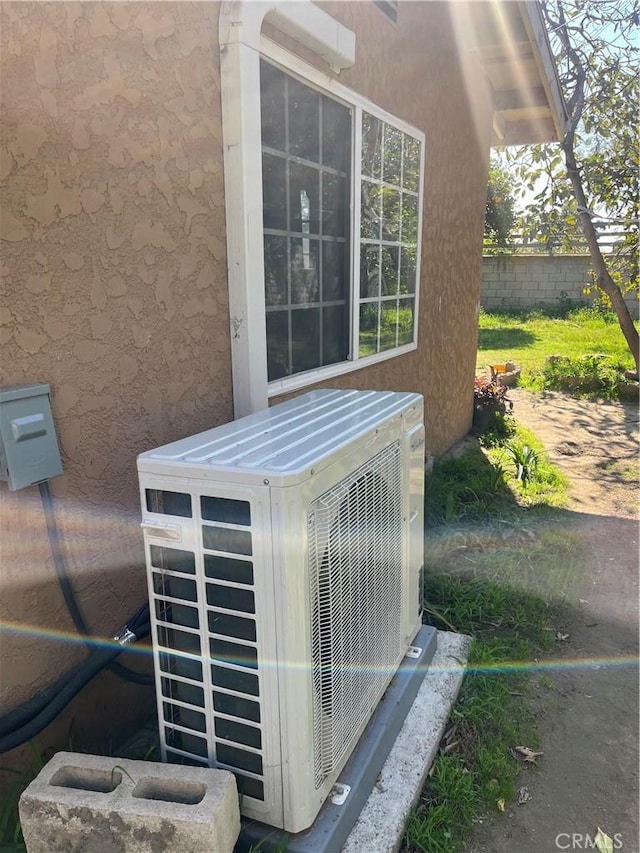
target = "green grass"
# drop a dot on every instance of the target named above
(492, 552)
(529, 337)
(482, 483)
(12, 784)
(477, 770)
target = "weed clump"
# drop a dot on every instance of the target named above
(593, 373)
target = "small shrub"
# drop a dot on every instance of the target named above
(593, 373)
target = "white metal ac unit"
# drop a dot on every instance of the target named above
(284, 559)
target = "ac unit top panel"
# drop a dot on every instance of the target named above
(285, 439)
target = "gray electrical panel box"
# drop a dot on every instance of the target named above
(28, 446)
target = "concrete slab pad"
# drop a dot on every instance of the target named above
(380, 827)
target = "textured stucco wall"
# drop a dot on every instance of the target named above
(114, 287)
(114, 273)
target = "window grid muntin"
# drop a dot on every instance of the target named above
(344, 343)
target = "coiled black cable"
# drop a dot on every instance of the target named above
(16, 730)
(23, 723)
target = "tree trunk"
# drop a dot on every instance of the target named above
(603, 278)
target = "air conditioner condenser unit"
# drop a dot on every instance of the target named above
(284, 559)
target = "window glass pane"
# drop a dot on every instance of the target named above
(308, 293)
(407, 270)
(411, 164)
(272, 104)
(406, 308)
(305, 282)
(334, 271)
(335, 334)
(336, 135)
(274, 194)
(388, 325)
(371, 146)
(304, 127)
(370, 213)
(409, 218)
(369, 315)
(277, 344)
(369, 271)
(335, 205)
(275, 270)
(392, 158)
(305, 339)
(390, 214)
(390, 270)
(305, 200)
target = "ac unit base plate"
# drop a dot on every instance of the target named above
(334, 823)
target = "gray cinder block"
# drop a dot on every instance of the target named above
(94, 804)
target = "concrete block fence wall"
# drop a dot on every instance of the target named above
(524, 281)
(94, 804)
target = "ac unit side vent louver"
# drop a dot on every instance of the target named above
(226, 597)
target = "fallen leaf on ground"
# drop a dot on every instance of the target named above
(500, 804)
(562, 637)
(523, 796)
(603, 842)
(528, 754)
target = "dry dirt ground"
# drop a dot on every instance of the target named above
(588, 719)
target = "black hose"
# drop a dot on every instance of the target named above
(58, 560)
(97, 661)
(69, 595)
(21, 717)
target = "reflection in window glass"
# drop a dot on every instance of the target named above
(392, 155)
(390, 270)
(275, 270)
(277, 344)
(369, 328)
(303, 106)
(274, 197)
(390, 214)
(371, 146)
(390, 169)
(406, 309)
(307, 221)
(305, 337)
(272, 108)
(305, 266)
(411, 164)
(408, 269)
(369, 272)
(334, 279)
(370, 210)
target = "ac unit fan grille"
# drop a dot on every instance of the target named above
(355, 568)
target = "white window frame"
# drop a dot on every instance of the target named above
(241, 47)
